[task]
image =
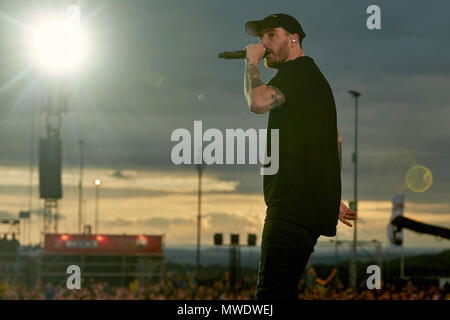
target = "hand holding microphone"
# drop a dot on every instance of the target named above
(255, 52)
(252, 52)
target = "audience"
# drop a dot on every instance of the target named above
(183, 287)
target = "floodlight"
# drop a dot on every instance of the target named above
(58, 45)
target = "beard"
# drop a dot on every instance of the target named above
(278, 57)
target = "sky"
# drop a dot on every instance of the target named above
(152, 68)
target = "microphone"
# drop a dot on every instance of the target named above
(234, 54)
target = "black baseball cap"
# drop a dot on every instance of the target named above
(285, 21)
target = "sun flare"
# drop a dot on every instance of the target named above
(59, 45)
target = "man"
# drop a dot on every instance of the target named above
(304, 197)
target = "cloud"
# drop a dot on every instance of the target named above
(134, 93)
(157, 222)
(40, 212)
(228, 222)
(147, 182)
(120, 174)
(180, 230)
(424, 208)
(409, 208)
(211, 223)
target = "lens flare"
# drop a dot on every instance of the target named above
(419, 178)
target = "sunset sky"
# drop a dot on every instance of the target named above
(152, 67)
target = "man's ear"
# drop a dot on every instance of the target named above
(294, 38)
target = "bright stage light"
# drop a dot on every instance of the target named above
(59, 45)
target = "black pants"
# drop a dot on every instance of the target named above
(285, 251)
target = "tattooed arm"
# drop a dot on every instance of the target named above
(260, 97)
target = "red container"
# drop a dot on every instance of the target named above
(98, 244)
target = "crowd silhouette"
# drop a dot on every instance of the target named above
(184, 287)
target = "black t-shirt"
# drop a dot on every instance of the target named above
(306, 190)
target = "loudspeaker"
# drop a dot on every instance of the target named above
(50, 168)
(234, 239)
(251, 240)
(24, 214)
(218, 239)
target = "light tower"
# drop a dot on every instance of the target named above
(54, 103)
(354, 205)
(199, 215)
(97, 183)
(58, 48)
(80, 188)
